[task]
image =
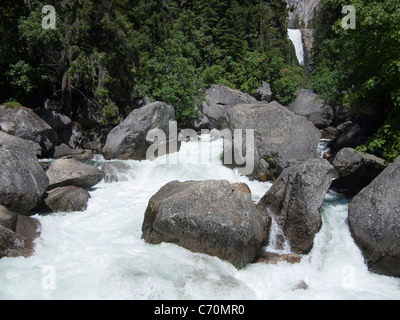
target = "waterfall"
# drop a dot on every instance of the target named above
(323, 147)
(296, 37)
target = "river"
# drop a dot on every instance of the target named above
(99, 253)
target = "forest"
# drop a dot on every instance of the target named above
(103, 55)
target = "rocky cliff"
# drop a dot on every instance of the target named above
(301, 12)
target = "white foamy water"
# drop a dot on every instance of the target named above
(99, 253)
(296, 37)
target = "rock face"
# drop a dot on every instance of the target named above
(374, 219)
(67, 172)
(115, 171)
(308, 105)
(356, 171)
(23, 181)
(212, 217)
(303, 11)
(295, 199)
(219, 100)
(25, 124)
(308, 42)
(280, 135)
(128, 140)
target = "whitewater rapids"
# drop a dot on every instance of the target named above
(99, 253)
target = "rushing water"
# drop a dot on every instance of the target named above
(296, 37)
(99, 253)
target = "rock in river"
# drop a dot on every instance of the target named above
(212, 217)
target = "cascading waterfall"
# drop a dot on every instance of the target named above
(323, 147)
(296, 37)
(99, 253)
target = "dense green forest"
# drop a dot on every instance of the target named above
(360, 68)
(104, 54)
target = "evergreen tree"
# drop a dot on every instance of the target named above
(103, 54)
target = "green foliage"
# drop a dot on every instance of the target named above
(173, 77)
(25, 76)
(285, 79)
(326, 82)
(12, 104)
(286, 86)
(363, 62)
(387, 138)
(102, 55)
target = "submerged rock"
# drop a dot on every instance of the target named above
(374, 219)
(115, 171)
(211, 217)
(275, 258)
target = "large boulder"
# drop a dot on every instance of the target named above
(356, 132)
(54, 119)
(23, 181)
(71, 172)
(374, 220)
(128, 140)
(356, 171)
(67, 199)
(307, 104)
(295, 200)
(24, 123)
(212, 217)
(280, 135)
(219, 100)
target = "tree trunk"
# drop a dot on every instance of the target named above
(66, 93)
(28, 4)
